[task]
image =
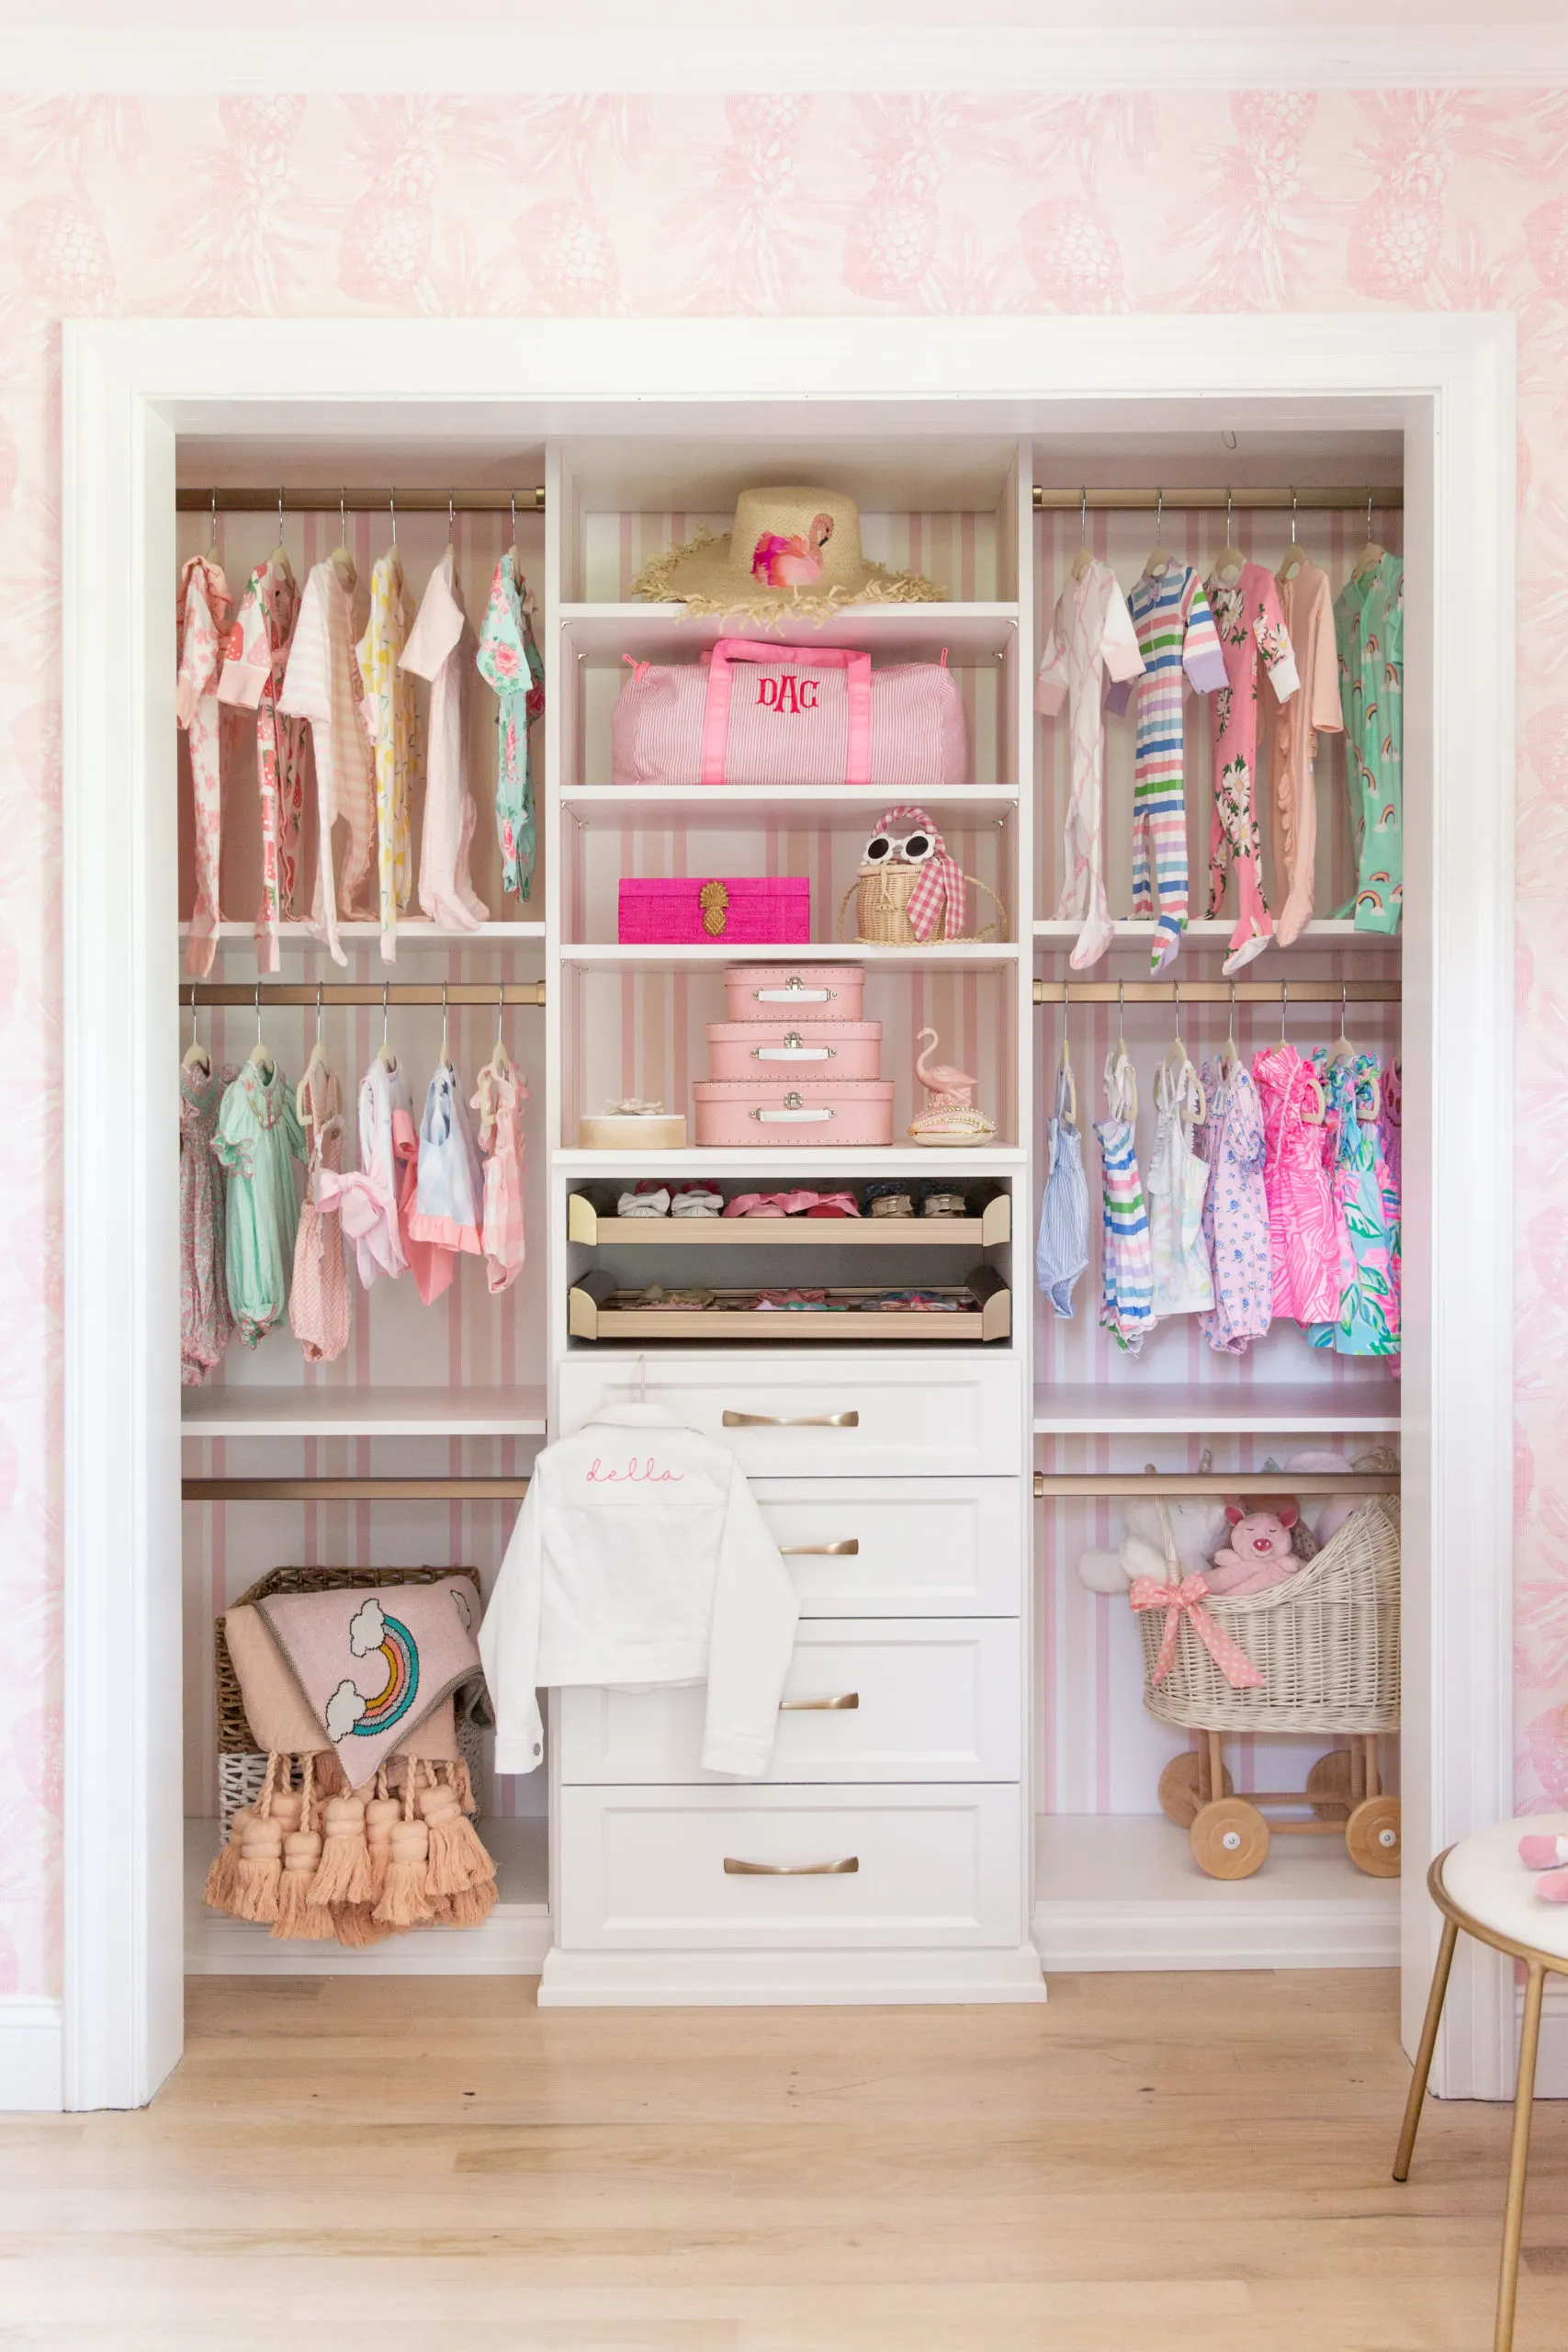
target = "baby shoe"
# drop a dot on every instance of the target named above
(697, 1200)
(647, 1199)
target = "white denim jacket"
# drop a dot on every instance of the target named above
(639, 1557)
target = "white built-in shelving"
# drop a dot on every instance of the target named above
(413, 931)
(1130, 1408)
(965, 633)
(819, 1161)
(360, 1411)
(957, 954)
(1326, 931)
(831, 807)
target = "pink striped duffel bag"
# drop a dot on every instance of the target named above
(787, 715)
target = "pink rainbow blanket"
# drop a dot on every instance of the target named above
(373, 1663)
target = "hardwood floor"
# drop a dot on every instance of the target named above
(1147, 2164)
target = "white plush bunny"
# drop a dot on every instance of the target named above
(1197, 1526)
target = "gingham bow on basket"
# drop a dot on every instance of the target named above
(1186, 1599)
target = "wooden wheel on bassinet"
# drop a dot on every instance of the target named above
(1371, 1837)
(1230, 1838)
(1181, 1789)
(1331, 1779)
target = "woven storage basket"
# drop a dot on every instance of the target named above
(1326, 1641)
(241, 1764)
(882, 893)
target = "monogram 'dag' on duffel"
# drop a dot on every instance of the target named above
(787, 715)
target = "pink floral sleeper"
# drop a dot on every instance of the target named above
(1251, 624)
(253, 676)
(205, 610)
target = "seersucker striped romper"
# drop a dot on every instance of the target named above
(1126, 1273)
(1176, 633)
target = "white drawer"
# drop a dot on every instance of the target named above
(927, 1547)
(935, 1867)
(936, 1700)
(815, 1416)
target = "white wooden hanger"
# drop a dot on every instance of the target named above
(341, 561)
(1342, 1050)
(1230, 1052)
(1065, 1067)
(1160, 558)
(1085, 555)
(318, 1061)
(1313, 1079)
(383, 1053)
(1229, 562)
(258, 1054)
(279, 556)
(197, 1056)
(1372, 554)
(1297, 559)
(1178, 1061)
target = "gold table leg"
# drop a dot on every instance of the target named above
(1519, 2158)
(1435, 2000)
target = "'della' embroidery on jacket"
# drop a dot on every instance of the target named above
(636, 1474)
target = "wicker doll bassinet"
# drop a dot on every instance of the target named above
(1326, 1641)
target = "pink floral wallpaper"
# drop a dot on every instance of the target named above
(944, 205)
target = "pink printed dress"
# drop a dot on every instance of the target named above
(1304, 1226)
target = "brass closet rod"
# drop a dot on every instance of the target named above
(1184, 992)
(257, 994)
(1339, 499)
(319, 500)
(352, 1490)
(1055, 1485)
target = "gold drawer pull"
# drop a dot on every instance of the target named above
(846, 1869)
(791, 1420)
(840, 1705)
(846, 1548)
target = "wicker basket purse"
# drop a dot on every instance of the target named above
(882, 895)
(242, 1765)
(1325, 1642)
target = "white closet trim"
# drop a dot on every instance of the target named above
(580, 60)
(1446, 379)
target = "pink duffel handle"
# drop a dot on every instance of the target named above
(716, 717)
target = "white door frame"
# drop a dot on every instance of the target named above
(131, 386)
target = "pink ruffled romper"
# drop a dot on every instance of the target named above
(1303, 1230)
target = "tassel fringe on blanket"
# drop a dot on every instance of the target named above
(316, 1864)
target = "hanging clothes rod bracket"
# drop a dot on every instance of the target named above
(1120, 993)
(1057, 1485)
(353, 1490)
(1336, 499)
(485, 993)
(319, 500)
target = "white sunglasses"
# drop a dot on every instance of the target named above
(913, 849)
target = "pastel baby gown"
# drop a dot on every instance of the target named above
(1236, 1211)
(1178, 1180)
(1368, 1320)
(1303, 1227)
(258, 1139)
(502, 1092)
(206, 1324)
(318, 1305)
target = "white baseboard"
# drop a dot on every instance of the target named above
(1102, 1935)
(32, 2046)
(511, 1942)
(786, 1980)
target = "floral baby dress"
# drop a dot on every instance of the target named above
(502, 1092)
(318, 1305)
(1368, 1209)
(1304, 1226)
(510, 662)
(206, 1325)
(258, 1139)
(1236, 1211)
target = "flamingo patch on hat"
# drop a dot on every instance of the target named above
(790, 551)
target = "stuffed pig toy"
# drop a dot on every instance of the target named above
(1196, 1525)
(1260, 1554)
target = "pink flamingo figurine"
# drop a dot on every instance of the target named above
(947, 1088)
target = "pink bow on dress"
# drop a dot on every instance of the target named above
(1186, 1599)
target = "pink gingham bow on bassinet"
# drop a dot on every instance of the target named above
(938, 885)
(1186, 1599)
